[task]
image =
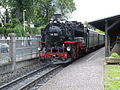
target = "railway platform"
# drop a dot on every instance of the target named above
(83, 74)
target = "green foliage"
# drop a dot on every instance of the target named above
(39, 12)
(97, 30)
(89, 25)
(15, 21)
(39, 28)
(6, 29)
(35, 31)
(43, 11)
(31, 31)
(115, 55)
(112, 77)
(66, 6)
(2, 29)
(14, 26)
(9, 25)
(18, 29)
(17, 7)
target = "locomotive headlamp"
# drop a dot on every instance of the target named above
(68, 48)
(51, 34)
(39, 49)
(55, 34)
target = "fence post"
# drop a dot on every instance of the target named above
(39, 44)
(12, 51)
(38, 39)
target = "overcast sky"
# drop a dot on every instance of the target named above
(90, 10)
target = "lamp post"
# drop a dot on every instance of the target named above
(24, 18)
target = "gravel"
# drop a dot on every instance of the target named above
(4, 78)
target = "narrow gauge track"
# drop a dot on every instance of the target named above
(28, 80)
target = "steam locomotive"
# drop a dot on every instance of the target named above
(64, 41)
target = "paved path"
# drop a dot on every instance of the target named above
(84, 74)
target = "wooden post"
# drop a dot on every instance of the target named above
(107, 40)
(13, 50)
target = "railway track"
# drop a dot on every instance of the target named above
(29, 80)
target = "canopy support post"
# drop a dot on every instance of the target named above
(107, 40)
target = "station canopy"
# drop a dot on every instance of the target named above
(112, 23)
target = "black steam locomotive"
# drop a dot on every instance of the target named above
(64, 41)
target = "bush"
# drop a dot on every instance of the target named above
(18, 29)
(14, 26)
(2, 29)
(15, 21)
(8, 25)
(115, 55)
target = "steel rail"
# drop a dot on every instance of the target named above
(24, 76)
(39, 78)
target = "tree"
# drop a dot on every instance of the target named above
(17, 7)
(38, 9)
(39, 12)
(66, 6)
(45, 9)
(4, 5)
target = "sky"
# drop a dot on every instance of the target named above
(91, 10)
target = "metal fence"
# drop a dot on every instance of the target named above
(26, 48)
(17, 49)
(4, 50)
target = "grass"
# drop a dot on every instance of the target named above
(112, 77)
